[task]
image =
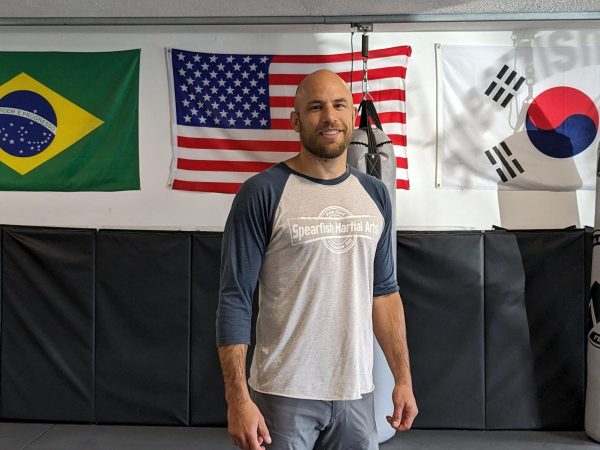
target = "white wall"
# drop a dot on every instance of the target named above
(423, 207)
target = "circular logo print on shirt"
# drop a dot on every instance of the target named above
(338, 244)
(27, 123)
(562, 122)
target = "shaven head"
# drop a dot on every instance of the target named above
(323, 114)
(321, 77)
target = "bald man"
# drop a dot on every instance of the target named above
(316, 235)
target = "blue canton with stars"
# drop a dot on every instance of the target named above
(220, 90)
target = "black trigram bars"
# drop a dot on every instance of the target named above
(596, 239)
(501, 159)
(508, 82)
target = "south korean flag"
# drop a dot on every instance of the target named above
(519, 118)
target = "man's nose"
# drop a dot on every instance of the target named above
(328, 113)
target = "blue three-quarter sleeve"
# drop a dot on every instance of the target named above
(242, 252)
(384, 281)
(245, 239)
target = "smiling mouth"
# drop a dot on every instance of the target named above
(329, 132)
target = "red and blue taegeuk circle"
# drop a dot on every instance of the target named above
(562, 122)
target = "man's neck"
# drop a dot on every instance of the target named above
(321, 168)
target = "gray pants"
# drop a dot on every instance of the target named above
(297, 424)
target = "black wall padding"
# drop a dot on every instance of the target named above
(47, 324)
(535, 335)
(441, 283)
(208, 406)
(1, 292)
(119, 326)
(142, 327)
(510, 376)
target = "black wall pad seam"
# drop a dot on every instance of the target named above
(94, 420)
(190, 296)
(587, 250)
(483, 296)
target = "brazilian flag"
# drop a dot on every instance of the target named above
(69, 121)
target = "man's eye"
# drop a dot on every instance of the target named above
(340, 106)
(315, 107)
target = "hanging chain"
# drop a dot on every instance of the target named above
(365, 58)
(365, 80)
(365, 28)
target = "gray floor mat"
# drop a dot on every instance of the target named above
(19, 436)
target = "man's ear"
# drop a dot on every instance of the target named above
(295, 119)
(354, 115)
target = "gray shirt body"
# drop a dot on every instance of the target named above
(320, 249)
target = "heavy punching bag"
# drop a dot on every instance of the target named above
(592, 401)
(371, 151)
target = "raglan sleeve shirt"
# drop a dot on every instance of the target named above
(322, 250)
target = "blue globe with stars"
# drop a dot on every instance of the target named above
(27, 123)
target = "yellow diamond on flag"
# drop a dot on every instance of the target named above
(36, 123)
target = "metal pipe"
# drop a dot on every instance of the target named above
(287, 20)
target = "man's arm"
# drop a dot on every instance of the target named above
(390, 330)
(245, 240)
(246, 425)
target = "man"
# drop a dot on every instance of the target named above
(316, 234)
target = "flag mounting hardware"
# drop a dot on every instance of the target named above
(362, 27)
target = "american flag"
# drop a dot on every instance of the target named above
(230, 112)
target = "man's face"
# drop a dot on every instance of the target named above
(324, 116)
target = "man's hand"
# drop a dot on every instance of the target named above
(405, 408)
(247, 427)
(390, 330)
